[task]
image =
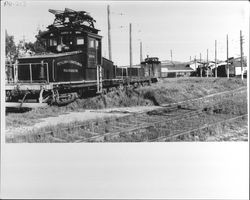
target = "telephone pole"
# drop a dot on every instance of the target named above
(171, 55)
(130, 45)
(109, 35)
(215, 58)
(141, 57)
(200, 67)
(195, 63)
(207, 62)
(241, 55)
(227, 59)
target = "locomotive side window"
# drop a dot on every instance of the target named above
(80, 41)
(96, 44)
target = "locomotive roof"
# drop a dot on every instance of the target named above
(59, 30)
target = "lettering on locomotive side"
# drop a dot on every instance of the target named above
(71, 70)
(69, 62)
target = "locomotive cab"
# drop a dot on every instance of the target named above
(152, 67)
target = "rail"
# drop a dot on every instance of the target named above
(181, 133)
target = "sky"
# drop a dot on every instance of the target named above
(188, 28)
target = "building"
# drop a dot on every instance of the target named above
(176, 70)
(234, 67)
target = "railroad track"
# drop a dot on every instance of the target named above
(164, 124)
(182, 133)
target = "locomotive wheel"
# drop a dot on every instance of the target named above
(64, 99)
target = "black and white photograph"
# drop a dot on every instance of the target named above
(125, 77)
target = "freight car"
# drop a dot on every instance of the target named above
(72, 66)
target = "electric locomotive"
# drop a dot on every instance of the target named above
(72, 66)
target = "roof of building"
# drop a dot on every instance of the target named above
(177, 67)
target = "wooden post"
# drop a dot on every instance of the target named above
(215, 59)
(109, 35)
(227, 59)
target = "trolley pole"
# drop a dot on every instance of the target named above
(241, 55)
(215, 58)
(207, 62)
(109, 35)
(227, 59)
(130, 47)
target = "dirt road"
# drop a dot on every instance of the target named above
(80, 116)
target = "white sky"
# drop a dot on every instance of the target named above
(188, 28)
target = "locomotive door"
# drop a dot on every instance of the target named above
(94, 52)
(94, 58)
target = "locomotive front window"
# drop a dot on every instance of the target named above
(52, 42)
(80, 41)
(91, 43)
(66, 40)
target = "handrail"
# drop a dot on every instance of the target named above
(53, 69)
(27, 63)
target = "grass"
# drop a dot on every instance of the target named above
(165, 91)
(69, 132)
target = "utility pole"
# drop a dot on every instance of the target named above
(171, 55)
(109, 36)
(200, 67)
(227, 59)
(130, 47)
(141, 58)
(215, 58)
(241, 55)
(195, 63)
(207, 62)
(190, 58)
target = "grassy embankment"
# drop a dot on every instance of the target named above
(220, 109)
(166, 91)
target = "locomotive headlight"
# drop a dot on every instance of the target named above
(59, 48)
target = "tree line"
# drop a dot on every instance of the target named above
(13, 51)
